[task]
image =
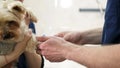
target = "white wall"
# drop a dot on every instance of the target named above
(53, 18)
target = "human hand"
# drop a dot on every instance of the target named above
(71, 36)
(19, 48)
(53, 48)
(93, 36)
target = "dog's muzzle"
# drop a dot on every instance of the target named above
(7, 46)
(8, 35)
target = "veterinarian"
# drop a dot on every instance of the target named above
(67, 45)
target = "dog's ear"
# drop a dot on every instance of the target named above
(6, 2)
(30, 14)
(17, 8)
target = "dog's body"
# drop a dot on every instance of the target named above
(13, 27)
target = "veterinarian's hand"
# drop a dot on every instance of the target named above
(20, 47)
(74, 37)
(87, 37)
(52, 48)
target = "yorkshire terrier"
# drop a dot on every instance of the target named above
(13, 27)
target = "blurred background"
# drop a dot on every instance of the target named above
(66, 15)
(61, 15)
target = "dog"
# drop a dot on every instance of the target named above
(13, 27)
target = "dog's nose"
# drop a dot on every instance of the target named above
(7, 36)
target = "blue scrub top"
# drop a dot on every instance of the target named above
(111, 30)
(22, 61)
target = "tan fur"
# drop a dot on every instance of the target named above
(13, 26)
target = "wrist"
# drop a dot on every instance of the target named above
(72, 52)
(92, 36)
(9, 58)
(68, 50)
(6, 60)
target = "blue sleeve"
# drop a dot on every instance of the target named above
(22, 62)
(32, 26)
(111, 31)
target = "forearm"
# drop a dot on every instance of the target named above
(92, 36)
(95, 57)
(6, 59)
(18, 50)
(33, 60)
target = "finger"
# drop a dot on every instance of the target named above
(20, 47)
(42, 46)
(27, 37)
(38, 51)
(67, 38)
(62, 34)
(42, 38)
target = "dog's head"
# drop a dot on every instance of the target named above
(12, 25)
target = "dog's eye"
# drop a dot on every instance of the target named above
(13, 24)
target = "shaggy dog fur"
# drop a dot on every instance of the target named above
(13, 27)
